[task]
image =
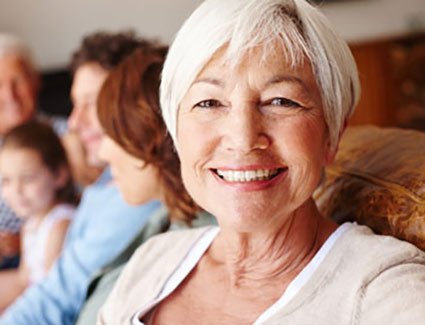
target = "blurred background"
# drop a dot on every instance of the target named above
(387, 38)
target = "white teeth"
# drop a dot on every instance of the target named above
(250, 175)
(238, 175)
(228, 176)
(247, 175)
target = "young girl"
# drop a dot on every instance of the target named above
(36, 183)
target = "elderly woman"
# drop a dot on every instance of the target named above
(256, 95)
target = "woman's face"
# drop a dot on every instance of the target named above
(252, 140)
(137, 183)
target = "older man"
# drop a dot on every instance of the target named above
(19, 87)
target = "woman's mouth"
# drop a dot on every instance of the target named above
(244, 176)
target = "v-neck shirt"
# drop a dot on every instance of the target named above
(201, 246)
(356, 277)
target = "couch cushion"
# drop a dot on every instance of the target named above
(378, 179)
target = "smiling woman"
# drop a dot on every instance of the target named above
(240, 119)
(256, 95)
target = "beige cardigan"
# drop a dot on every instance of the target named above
(364, 279)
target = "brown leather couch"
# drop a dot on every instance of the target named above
(378, 179)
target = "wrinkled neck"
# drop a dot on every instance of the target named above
(274, 255)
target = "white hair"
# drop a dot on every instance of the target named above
(242, 25)
(11, 45)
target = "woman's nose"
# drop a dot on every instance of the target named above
(78, 117)
(244, 130)
(74, 118)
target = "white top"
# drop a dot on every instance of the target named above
(35, 239)
(201, 246)
(360, 278)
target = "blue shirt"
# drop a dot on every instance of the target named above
(102, 227)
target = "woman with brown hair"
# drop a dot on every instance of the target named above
(136, 144)
(142, 159)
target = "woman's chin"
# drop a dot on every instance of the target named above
(131, 199)
(245, 216)
(135, 199)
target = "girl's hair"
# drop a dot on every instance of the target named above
(128, 110)
(241, 26)
(40, 137)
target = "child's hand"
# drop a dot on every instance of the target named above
(9, 244)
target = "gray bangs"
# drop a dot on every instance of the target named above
(261, 26)
(292, 30)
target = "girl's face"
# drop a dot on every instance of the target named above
(28, 186)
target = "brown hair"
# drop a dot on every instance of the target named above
(106, 49)
(40, 137)
(128, 109)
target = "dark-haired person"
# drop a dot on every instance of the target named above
(103, 224)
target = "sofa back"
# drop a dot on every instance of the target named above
(378, 179)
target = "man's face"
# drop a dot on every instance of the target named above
(19, 86)
(88, 80)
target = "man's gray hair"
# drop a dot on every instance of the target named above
(300, 29)
(12, 45)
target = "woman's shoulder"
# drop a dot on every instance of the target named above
(361, 243)
(392, 277)
(163, 252)
(367, 277)
(378, 266)
(148, 269)
(363, 257)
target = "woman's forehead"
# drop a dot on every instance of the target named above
(258, 62)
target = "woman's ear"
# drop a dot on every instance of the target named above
(139, 163)
(62, 177)
(331, 150)
(341, 132)
(330, 153)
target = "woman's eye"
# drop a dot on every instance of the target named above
(280, 101)
(210, 103)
